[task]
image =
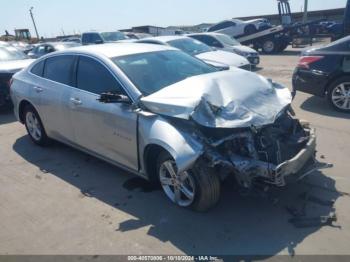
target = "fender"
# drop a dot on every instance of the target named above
(157, 130)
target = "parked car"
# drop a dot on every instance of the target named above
(226, 43)
(46, 48)
(95, 37)
(325, 72)
(202, 51)
(133, 35)
(11, 61)
(166, 116)
(72, 39)
(236, 27)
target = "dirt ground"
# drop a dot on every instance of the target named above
(58, 200)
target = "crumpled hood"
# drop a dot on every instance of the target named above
(226, 99)
(14, 66)
(223, 57)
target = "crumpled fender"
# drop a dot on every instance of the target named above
(182, 146)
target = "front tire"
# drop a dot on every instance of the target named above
(339, 94)
(269, 46)
(197, 189)
(35, 127)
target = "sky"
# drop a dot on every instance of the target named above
(75, 16)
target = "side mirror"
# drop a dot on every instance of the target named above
(114, 98)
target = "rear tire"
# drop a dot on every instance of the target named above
(35, 127)
(338, 95)
(201, 184)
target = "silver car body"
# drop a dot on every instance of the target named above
(126, 135)
(214, 57)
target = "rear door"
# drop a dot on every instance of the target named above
(54, 90)
(107, 129)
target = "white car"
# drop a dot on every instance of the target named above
(226, 43)
(199, 50)
(236, 27)
(12, 60)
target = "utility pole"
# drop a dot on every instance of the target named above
(305, 11)
(32, 16)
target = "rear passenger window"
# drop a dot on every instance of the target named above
(60, 69)
(38, 68)
(93, 77)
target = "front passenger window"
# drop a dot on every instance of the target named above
(93, 77)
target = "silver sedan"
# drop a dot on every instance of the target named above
(166, 116)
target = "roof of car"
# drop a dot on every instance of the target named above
(120, 49)
(166, 38)
(206, 33)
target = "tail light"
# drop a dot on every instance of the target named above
(306, 61)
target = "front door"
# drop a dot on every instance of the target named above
(107, 129)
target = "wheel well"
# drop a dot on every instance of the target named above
(21, 108)
(332, 80)
(151, 154)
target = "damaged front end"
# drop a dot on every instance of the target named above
(244, 122)
(269, 154)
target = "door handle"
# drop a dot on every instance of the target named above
(38, 89)
(76, 101)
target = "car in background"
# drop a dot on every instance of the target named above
(46, 48)
(325, 72)
(12, 60)
(72, 39)
(22, 46)
(226, 43)
(196, 48)
(236, 27)
(95, 37)
(133, 35)
(165, 116)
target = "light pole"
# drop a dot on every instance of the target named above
(305, 11)
(32, 16)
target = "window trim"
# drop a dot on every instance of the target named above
(127, 92)
(107, 67)
(72, 73)
(76, 67)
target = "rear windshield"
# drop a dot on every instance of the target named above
(113, 36)
(190, 46)
(9, 53)
(151, 72)
(227, 40)
(65, 45)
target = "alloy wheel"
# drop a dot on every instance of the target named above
(33, 126)
(341, 96)
(180, 188)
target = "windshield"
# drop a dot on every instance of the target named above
(9, 53)
(190, 46)
(151, 72)
(113, 36)
(227, 40)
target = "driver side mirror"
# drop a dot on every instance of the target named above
(114, 98)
